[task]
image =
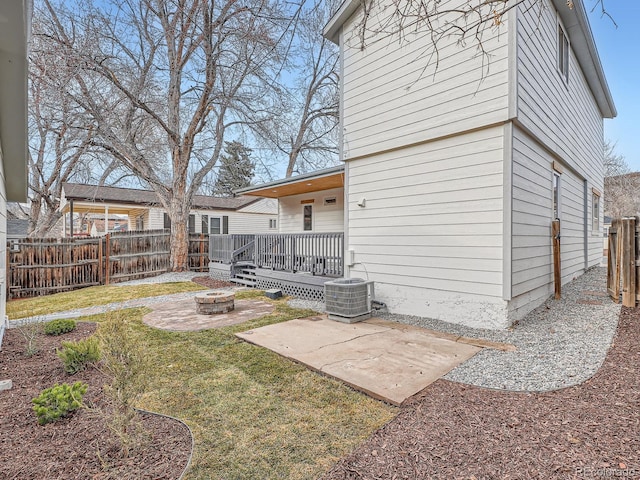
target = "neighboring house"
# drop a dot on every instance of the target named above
(209, 215)
(15, 21)
(452, 179)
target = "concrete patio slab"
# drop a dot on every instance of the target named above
(181, 316)
(388, 363)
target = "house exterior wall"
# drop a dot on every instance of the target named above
(532, 257)
(557, 123)
(3, 246)
(563, 117)
(431, 232)
(239, 221)
(391, 100)
(325, 218)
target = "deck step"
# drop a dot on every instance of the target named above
(245, 264)
(246, 276)
(243, 281)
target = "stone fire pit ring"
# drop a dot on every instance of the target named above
(214, 302)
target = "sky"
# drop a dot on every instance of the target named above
(619, 50)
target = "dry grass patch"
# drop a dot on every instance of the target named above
(92, 296)
(254, 414)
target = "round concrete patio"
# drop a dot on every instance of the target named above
(181, 316)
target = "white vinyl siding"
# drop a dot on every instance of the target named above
(326, 218)
(239, 222)
(264, 205)
(564, 117)
(432, 225)
(391, 100)
(532, 261)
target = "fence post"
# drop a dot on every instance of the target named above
(100, 261)
(107, 248)
(628, 262)
(201, 251)
(557, 274)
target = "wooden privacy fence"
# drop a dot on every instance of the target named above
(41, 266)
(623, 261)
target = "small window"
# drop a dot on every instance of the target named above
(216, 225)
(205, 224)
(563, 54)
(308, 218)
(272, 223)
(595, 209)
(192, 223)
(556, 195)
(331, 201)
(225, 225)
(167, 221)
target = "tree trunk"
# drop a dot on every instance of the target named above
(179, 215)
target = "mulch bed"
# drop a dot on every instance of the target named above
(451, 431)
(212, 283)
(79, 446)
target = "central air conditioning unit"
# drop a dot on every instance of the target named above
(348, 300)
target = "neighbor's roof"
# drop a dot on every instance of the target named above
(15, 26)
(575, 21)
(17, 227)
(95, 193)
(306, 183)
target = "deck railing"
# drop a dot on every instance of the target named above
(317, 253)
(222, 248)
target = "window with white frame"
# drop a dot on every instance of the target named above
(216, 225)
(595, 211)
(272, 223)
(563, 54)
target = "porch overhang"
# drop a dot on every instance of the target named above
(99, 208)
(307, 183)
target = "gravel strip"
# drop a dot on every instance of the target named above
(308, 304)
(81, 312)
(559, 344)
(163, 278)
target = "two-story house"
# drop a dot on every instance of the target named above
(453, 176)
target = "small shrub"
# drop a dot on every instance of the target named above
(58, 327)
(123, 360)
(30, 332)
(58, 401)
(77, 355)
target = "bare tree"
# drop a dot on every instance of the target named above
(307, 130)
(621, 186)
(60, 134)
(166, 80)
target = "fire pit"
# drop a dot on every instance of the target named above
(214, 302)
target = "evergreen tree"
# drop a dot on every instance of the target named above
(236, 169)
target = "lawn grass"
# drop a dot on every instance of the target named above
(92, 296)
(254, 414)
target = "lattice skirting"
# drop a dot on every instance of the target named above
(293, 288)
(220, 271)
